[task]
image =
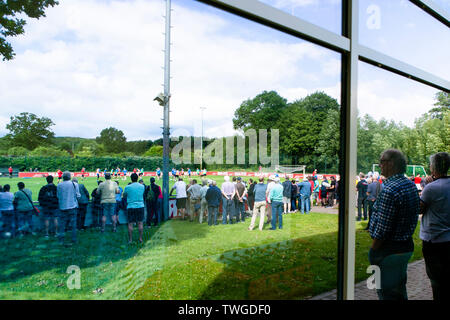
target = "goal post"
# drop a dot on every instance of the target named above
(290, 169)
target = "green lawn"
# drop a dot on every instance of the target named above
(183, 260)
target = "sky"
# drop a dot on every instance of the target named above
(92, 64)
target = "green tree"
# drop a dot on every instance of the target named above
(261, 112)
(11, 25)
(18, 151)
(112, 139)
(154, 151)
(442, 105)
(50, 151)
(29, 131)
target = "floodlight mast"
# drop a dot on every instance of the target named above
(166, 131)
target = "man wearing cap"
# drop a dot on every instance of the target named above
(228, 193)
(107, 192)
(68, 194)
(276, 199)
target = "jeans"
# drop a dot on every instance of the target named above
(25, 220)
(293, 203)
(81, 217)
(277, 212)
(437, 262)
(227, 210)
(96, 213)
(362, 203)
(239, 210)
(212, 211)
(65, 218)
(370, 205)
(305, 203)
(152, 213)
(9, 224)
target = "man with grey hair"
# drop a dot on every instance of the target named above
(394, 219)
(68, 194)
(107, 192)
(435, 226)
(228, 193)
(204, 202)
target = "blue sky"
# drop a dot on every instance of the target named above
(92, 64)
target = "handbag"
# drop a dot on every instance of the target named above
(35, 209)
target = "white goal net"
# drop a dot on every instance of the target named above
(290, 168)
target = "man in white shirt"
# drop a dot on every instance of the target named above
(228, 193)
(180, 187)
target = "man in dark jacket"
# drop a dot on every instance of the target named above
(151, 199)
(251, 194)
(49, 202)
(96, 207)
(213, 196)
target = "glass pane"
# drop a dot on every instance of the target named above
(324, 13)
(394, 112)
(402, 30)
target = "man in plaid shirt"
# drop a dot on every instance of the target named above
(395, 216)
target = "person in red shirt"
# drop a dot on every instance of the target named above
(60, 173)
(82, 173)
(417, 181)
(10, 170)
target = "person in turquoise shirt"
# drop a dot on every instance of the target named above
(134, 193)
(276, 199)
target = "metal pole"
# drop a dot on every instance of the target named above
(201, 154)
(166, 131)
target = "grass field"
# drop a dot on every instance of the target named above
(183, 260)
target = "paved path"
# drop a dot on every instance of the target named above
(418, 286)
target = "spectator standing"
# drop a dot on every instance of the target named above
(287, 193)
(373, 190)
(305, 196)
(204, 202)
(294, 192)
(7, 211)
(160, 205)
(394, 219)
(180, 187)
(24, 208)
(331, 191)
(270, 184)
(435, 226)
(96, 206)
(151, 195)
(260, 204)
(361, 188)
(107, 192)
(316, 190)
(82, 205)
(134, 193)
(48, 199)
(213, 196)
(195, 196)
(10, 170)
(68, 194)
(228, 193)
(324, 191)
(239, 204)
(251, 194)
(118, 201)
(276, 199)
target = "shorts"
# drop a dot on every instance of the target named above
(286, 200)
(49, 213)
(109, 209)
(135, 215)
(181, 203)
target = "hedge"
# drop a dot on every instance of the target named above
(76, 163)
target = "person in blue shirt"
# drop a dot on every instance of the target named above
(305, 195)
(124, 173)
(134, 193)
(118, 202)
(158, 173)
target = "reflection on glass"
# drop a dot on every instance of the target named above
(402, 30)
(324, 13)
